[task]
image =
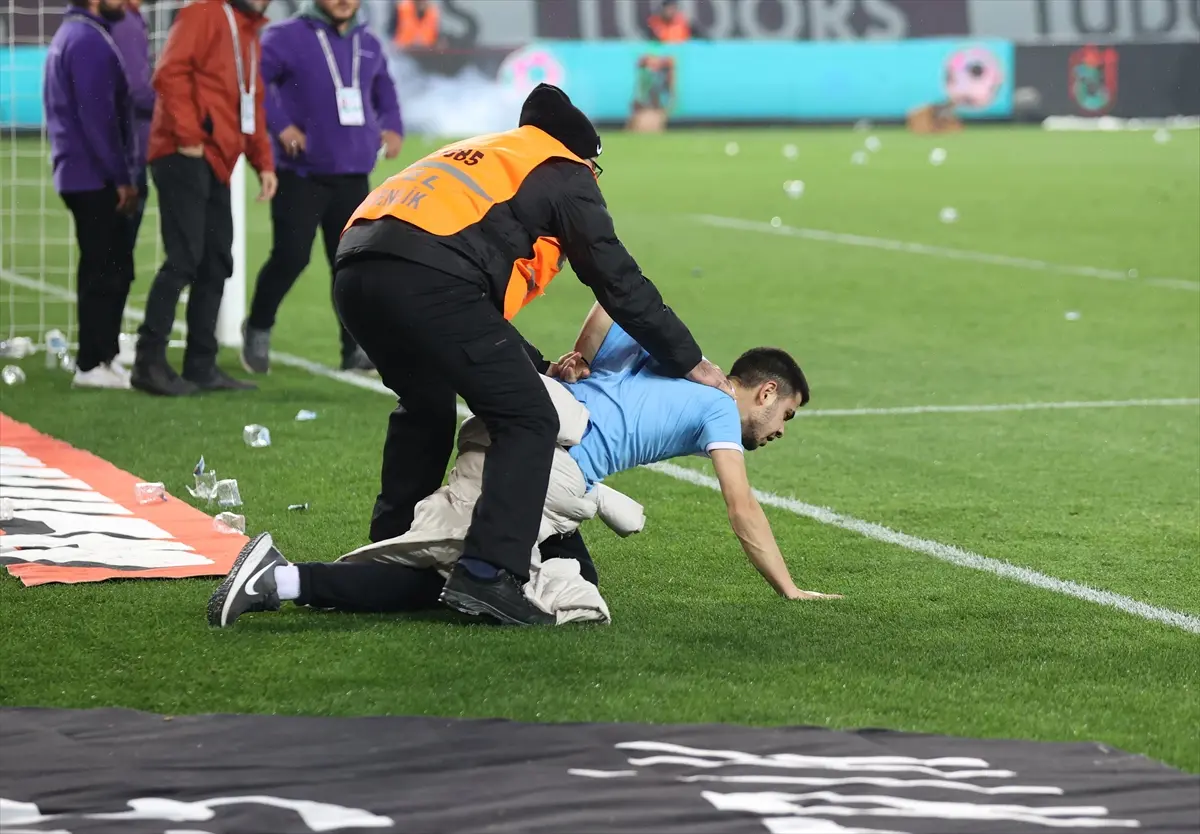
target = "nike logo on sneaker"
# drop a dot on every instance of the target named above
(249, 587)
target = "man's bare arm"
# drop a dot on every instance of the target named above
(593, 332)
(750, 524)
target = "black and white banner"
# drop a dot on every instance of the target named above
(123, 772)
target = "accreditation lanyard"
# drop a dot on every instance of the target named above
(246, 89)
(349, 99)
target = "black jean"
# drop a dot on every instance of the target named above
(197, 235)
(104, 274)
(301, 206)
(432, 336)
(388, 588)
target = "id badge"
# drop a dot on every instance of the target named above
(350, 107)
(248, 114)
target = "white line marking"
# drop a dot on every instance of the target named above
(975, 409)
(947, 553)
(941, 252)
(944, 552)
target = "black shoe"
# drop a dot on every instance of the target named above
(501, 598)
(214, 379)
(256, 349)
(250, 585)
(357, 361)
(159, 378)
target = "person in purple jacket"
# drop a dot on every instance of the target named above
(330, 105)
(89, 120)
(132, 40)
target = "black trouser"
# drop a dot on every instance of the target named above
(370, 588)
(197, 234)
(432, 336)
(300, 206)
(132, 223)
(104, 275)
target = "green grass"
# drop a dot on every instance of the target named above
(1106, 497)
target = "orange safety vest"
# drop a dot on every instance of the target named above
(455, 186)
(675, 30)
(414, 30)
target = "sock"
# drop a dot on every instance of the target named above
(479, 568)
(287, 581)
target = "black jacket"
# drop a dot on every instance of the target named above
(558, 199)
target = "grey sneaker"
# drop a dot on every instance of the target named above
(502, 599)
(256, 349)
(250, 585)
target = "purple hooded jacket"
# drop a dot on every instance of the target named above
(89, 114)
(130, 34)
(301, 92)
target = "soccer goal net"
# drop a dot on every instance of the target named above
(38, 254)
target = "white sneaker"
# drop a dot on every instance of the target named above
(101, 376)
(120, 370)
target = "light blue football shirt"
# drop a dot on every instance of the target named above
(639, 415)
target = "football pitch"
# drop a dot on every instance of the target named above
(1005, 431)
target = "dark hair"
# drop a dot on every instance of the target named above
(79, 4)
(764, 364)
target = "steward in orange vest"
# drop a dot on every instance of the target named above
(669, 25)
(431, 269)
(416, 24)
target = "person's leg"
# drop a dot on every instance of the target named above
(367, 588)
(463, 338)
(97, 225)
(183, 187)
(295, 214)
(346, 194)
(420, 435)
(204, 302)
(571, 547)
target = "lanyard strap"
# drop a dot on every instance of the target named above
(104, 33)
(333, 67)
(243, 87)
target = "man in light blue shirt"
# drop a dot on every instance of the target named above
(636, 416)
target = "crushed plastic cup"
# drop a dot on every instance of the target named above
(731, 148)
(948, 214)
(6, 510)
(304, 415)
(206, 485)
(256, 436)
(147, 493)
(67, 362)
(17, 347)
(12, 375)
(229, 523)
(226, 493)
(1073, 315)
(862, 124)
(873, 144)
(858, 158)
(937, 156)
(56, 347)
(776, 222)
(1162, 136)
(1133, 273)
(790, 151)
(794, 189)
(298, 507)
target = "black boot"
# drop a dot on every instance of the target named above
(154, 375)
(501, 598)
(214, 379)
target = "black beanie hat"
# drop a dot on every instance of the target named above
(549, 109)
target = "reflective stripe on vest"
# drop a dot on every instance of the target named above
(413, 30)
(531, 275)
(455, 186)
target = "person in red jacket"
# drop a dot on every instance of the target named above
(208, 113)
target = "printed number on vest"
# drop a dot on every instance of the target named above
(465, 156)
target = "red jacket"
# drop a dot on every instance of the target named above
(198, 98)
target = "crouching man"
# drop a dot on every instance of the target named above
(631, 415)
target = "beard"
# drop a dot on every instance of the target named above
(111, 14)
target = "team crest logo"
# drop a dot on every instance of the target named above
(1092, 78)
